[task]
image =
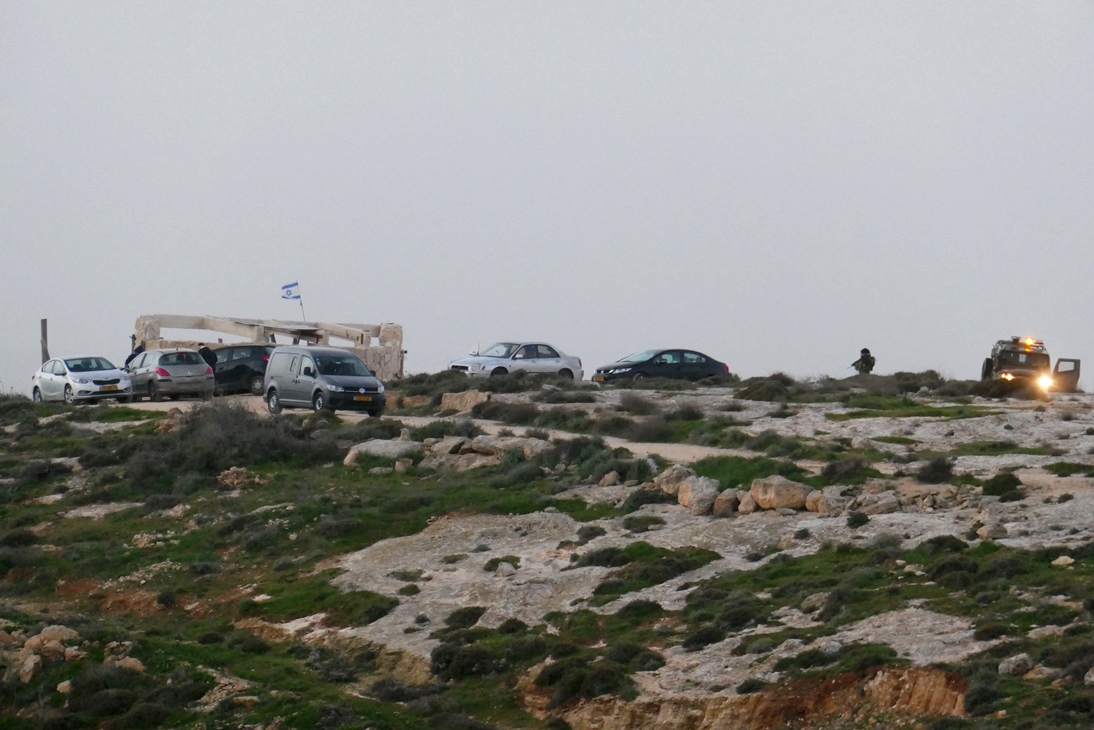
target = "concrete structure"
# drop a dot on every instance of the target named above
(379, 345)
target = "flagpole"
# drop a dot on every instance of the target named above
(302, 309)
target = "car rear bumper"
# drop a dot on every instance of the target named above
(171, 386)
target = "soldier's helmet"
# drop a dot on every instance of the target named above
(865, 351)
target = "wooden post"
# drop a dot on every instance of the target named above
(45, 342)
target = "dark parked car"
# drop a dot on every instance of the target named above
(242, 368)
(681, 364)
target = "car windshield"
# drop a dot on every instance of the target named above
(88, 364)
(640, 356)
(501, 349)
(1025, 359)
(341, 365)
(181, 358)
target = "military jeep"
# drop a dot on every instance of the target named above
(1026, 364)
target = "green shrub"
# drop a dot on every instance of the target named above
(464, 618)
(641, 523)
(857, 519)
(638, 405)
(936, 471)
(751, 685)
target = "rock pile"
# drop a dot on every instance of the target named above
(51, 645)
(458, 453)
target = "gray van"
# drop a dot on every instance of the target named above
(321, 378)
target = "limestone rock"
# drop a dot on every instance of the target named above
(813, 500)
(746, 505)
(1088, 678)
(534, 447)
(1063, 560)
(53, 649)
(448, 445)
(384, 448)
(1042, 672)
(1017, 664)
(463, 402)
(380, 470)
(881, 504)
(505, 569)
(814, 602)
(725, 504)
(30, 666)
(698, 494)
(610, 479)
(57, 632)
(65, 687)
(670, 479)
(402, 465)
(994, 531)
(777, 491)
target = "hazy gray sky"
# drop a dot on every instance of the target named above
(777, 184)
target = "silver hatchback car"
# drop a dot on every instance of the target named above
(172, 373)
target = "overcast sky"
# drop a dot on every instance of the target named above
(777, 184)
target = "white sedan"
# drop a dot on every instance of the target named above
(74, 379)
(503, 358)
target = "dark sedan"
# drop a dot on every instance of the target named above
(679, 364)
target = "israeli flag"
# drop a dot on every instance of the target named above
(291, 291)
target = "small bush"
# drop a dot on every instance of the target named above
(685, 412)
(633, 403)
(857, 519)
(641, 523)
(936, 471)
(751, 685)
(464, 618)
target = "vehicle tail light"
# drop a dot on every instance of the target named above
(208, 369)
(725, 367)
(162, 373)
(265, 358)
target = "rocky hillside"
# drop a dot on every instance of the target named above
(874, 552)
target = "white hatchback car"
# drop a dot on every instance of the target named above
(74, 379)
(503, 358)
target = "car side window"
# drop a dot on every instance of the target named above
(545, 351)
(141, 361)
(694, 358)
(305, 363)
(59, 367)
(51, 367)
(241, 353)
(525, 353)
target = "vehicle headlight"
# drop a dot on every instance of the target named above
(477, 366)
(335, 388)
(1007, 376)
(82, 381)
(1045, 382)
(380, 389)
(621, 370)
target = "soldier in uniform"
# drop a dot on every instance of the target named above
(865, 362)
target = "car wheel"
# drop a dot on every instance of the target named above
(566, 374)
(319, 402)
(638, 376)
(376, 413)
(498, 372)
(69, 397)
(36, 396)
(125, 399)
(273, 403)
(256, 385)
(153, 391)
